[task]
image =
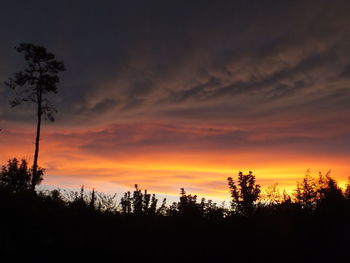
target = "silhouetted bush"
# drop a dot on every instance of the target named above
(17, 177)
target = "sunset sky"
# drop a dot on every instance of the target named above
(172, 94)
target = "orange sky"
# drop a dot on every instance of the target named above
(184, 95)
(162, 169)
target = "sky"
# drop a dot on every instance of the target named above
(171, 94)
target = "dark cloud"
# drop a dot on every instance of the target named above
(198, 60)
(99, 108)
(303, 137)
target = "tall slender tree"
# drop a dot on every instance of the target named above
(39, 78)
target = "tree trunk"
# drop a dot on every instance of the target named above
(36, 152)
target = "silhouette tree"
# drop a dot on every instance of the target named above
(17, 177)
(140, 202)
(80, 201)
(92, 200)
(272, 195)
(106, 202)
(211, 210)
(56, 196)
(347, 190)
(39, 78)
(144, 203)
(188, 205)
(163, 209)
(153, 207)
(330, 194)
(285, 198)
(306, 193)
(244, 194)
(126, 203)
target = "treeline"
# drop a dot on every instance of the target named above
(311, 195)
(306, 223)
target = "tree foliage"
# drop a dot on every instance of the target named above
(139, 203)
(244, 194)
(16, 176)
(306, 193)
(39, 78)
(347, 190)
(312, 193)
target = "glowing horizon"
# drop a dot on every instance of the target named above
(163, 169)
(170, 95)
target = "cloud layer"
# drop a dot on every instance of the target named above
(199, 78)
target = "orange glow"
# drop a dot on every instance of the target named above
(163, 170)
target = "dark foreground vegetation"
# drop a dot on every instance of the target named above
(311, 224)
